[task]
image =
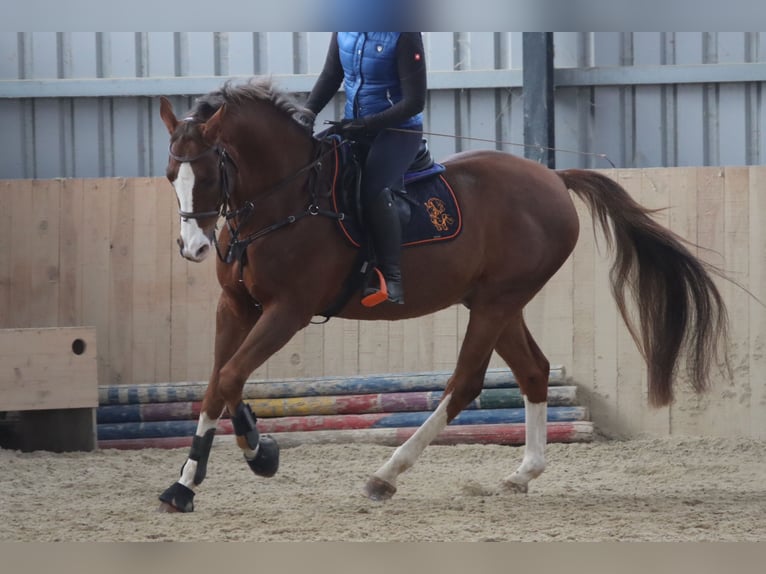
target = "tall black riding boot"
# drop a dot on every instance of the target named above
(383, 219)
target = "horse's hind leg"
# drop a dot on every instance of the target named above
(464, 385)
(233, 322)
(531, 369)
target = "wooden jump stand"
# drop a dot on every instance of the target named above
(49, 388)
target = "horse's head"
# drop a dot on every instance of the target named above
(194, 169)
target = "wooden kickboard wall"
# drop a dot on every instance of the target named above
(102, 252)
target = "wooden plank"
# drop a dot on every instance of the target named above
(582, 367)
(710, 238)
(417, 354)
(46, 197)
(463, 316)
(445, 339)
(341, 342)
(121, 277)
(8, 190)
(549, 316)
(150, 283)
(165, 248)
(201, 303)
(34, 245)
(683, 222)
(720, 411)
(606, 321)
(48, 368)
(179, 311)
(313, 355)
(396, 343)
(373, 346)
(735, 395)
(95, 267)
(71, 218)
(757, 313)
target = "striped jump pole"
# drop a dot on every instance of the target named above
(333, 422)
(502, 434)
(380, 409)
(331, 405)
(321, 386)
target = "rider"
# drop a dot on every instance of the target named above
(384, 77)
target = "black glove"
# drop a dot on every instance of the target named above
(306, 118)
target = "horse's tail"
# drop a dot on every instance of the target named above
(680, 310)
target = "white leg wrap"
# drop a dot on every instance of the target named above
(406, 455)
(533, 463)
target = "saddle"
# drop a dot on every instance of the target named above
(427, 206)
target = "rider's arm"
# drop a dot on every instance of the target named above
(329, 80)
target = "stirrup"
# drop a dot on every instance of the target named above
(373, 296)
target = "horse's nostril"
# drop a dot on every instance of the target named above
(180, 243)
(202, 251)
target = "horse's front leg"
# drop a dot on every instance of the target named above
(274, 329)
(235, 318)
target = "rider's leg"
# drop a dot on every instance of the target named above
(389, 156)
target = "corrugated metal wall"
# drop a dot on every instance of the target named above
(85, 105)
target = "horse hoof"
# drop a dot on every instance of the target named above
(266, 462)
(516, 487)
(378, 490)
(177, 498)
(166, 508)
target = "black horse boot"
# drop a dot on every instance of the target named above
(383, 219)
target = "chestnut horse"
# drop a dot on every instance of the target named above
(282, 261)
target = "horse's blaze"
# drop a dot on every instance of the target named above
(194, 242)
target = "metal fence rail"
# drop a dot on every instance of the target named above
(85, 104)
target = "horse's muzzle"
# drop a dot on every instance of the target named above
(198, 254)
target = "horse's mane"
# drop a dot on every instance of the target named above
(237, 95)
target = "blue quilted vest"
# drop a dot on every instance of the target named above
(371, 78)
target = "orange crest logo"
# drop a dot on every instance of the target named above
(436, 211)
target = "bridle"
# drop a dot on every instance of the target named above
(237, 249)
(186, 215)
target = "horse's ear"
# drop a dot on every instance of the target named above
(212, 128)
(167, 115)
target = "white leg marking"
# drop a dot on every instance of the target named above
(533, 463)
(250, 453)
(406, 455)
(204, 424)
(193, 236)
